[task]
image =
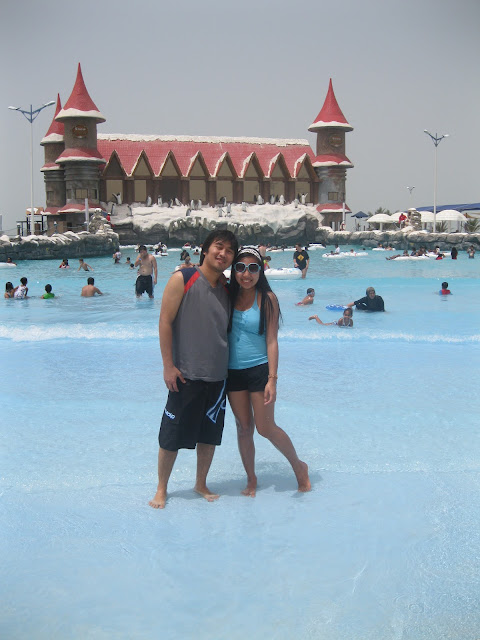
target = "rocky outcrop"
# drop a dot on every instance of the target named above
(399, 239)
(59, 246)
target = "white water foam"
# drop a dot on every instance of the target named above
(35, 333)
(362, 335)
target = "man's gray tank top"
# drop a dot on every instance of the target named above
(200, 343)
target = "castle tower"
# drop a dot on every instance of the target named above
(80, 158)
(331, 162)
(53, 174)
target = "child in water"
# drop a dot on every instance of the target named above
(344, 321)
(308, 298)
(445, 291)
(48, 292)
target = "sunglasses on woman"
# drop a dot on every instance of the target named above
(253, 267)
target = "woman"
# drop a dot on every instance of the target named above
(252, 374)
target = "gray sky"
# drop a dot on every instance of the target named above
(257, 68)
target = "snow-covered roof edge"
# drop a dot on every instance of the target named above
(132, 137)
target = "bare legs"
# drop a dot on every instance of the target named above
(242, 410)
(204, 460)
(242, 403)
(166, 460)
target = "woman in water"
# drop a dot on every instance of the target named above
(252, 374)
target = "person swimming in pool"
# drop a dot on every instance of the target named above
(344, 321)
(445, 291)
(308, 298)
(370, 302)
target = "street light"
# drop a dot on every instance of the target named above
(30, 116)
(436, 141)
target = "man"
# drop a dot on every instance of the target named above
(147, 272)
(193, 340)
(89, 290)
(187, 261)
(83, 265)
(371, 302)
(301, 259)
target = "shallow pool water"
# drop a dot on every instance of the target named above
(386, 546)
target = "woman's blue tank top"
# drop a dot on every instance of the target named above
(247, 347)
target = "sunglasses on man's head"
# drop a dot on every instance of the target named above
(241, 266)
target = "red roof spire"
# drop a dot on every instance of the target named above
(330, 115)
(79, 103)
(56, 129)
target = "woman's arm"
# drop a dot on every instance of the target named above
(271, 316)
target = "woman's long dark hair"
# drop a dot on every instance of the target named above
(266, 305)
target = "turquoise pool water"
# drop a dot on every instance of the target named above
(386, 545)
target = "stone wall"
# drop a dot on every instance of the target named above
(399, 239)
(59, 246)
(306, 230)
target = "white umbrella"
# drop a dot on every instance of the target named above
(380, 217)
(427, 216)
(450, 215)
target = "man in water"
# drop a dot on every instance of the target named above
(83, 265)
(147, 272)
(89, 290)
(301, 259)
(193, 340)
(371, 302)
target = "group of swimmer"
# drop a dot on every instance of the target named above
(370, 302)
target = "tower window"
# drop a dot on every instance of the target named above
(81, 193)
(333, 195)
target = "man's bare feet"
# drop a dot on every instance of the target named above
(206, 493)
(159, 500)
(251, 488)
(302, 478)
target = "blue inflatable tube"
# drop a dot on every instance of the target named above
(336, 307)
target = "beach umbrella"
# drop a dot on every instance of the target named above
(382, 218)
(427, 216)
(451, 215)
(395, 216)
(359, 214)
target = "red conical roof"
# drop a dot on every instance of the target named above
(79, 103)
(56, 130)
(330, 115)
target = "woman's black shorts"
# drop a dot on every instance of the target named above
(252, 379)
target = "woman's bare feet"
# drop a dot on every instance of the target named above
(303, 478)
(159, 500)
(251, 488)
(205, 492)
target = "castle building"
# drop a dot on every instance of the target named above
(81, 164)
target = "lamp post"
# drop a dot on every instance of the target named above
(30, 116)
(436, 139)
